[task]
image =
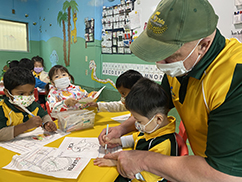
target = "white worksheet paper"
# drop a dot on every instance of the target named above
(121, 118)
(29, 141)
(91, 99)
(46, 161)
(83, 147)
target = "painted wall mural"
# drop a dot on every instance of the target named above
(72, 8)
(92, 67)
(54, 58)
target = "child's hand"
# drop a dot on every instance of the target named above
(71, 102)
(112, 141)
(33, 122)
(94, 93)
(91, 104)
(50, 126)
(104, 162)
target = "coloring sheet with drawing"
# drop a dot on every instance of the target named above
(91, 99)
(46, 161)
(83, 147)
(29, 141)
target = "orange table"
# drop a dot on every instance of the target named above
(90, 174)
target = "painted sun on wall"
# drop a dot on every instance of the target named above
(70, 9)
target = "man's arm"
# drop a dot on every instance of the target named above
(172, 168)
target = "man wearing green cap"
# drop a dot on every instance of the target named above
(203, 74)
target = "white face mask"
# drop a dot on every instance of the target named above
(140, 127)
(62, 83)
(123, 100)
(177, 68)
(21, 100)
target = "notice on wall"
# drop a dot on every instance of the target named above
(148, 71)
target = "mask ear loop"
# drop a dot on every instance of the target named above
(192, 50)
(195, 62)
(10, 95)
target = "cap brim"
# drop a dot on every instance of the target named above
(151, 50)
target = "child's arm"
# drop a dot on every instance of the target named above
(101, 162)
(127, 141)
(48, 124)
(7, 133)
(55, 104)
(31, 123)
(116, 106)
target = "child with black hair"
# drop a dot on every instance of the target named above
(123, 84)
(63, 95)
(29, 64)
(148, 104)
(39, 69)
(13, 63)
(19, 90)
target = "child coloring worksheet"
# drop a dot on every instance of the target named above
(84, 147)
(46, 161)
(29, 141)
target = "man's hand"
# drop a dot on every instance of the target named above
(113, 133)
(129, 162)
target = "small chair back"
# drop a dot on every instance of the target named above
(36, 94)
(182, 146)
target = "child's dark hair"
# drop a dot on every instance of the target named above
(128, 79)
(26, 63)
(38, 59)
(17, 76)
(13, 63)
(147, 98)
(53, 71)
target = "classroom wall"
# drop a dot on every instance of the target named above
(24, 12)
(47, 37)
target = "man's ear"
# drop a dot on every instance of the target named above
(159, 118)
(204, 45)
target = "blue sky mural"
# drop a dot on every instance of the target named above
(48, 12)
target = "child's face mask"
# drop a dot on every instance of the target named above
(123, 100)
(38, 69)
(140, 127)
(21, 100)
(62, 83)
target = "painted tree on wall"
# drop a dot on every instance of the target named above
(62, 18)
(70, 7)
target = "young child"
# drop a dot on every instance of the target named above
(39, 69)
(63, 95)
(29, 64)
(13, 63)
(19, 90)
(148, 103)
(123, 84)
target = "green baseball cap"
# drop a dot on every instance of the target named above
(174, 23)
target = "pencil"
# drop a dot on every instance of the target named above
(106, 145)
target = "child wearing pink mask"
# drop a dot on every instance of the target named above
(63, 95)
(39, 69)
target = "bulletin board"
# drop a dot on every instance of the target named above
(123, 23)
